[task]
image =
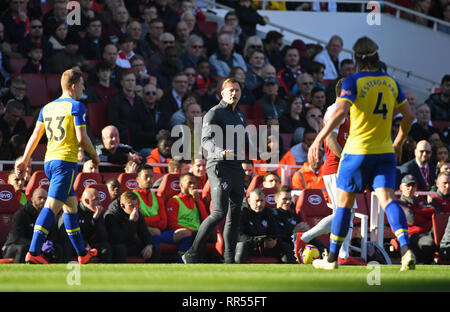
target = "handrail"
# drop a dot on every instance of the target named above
(394, 68)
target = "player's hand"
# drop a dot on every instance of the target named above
(195, 194)
(226, 153)
(20, 167)
(134, 215)
(398, 148)
(147, 252)
(95, 159)
(135, 157)
(313, 152)
(97, 212)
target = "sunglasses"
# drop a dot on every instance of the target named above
(150, 92)
(316, 116)
(36, 26)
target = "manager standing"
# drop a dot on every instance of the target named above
(224, 169)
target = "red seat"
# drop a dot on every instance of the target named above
(17, 64)
(255, 183)
(208, 28)
(312, 207)
(247, 110)
(102, 189)
(4, 177)
(440, 221)
(37, 179)
(53, 82)
(8, 206)
(270, 197)
(97, 117)
(170, 186)
(109, 175)
(39, 152)
(287, 138)
(83, 179)
(127, 181)
(206, 194)
(29, 121)
(36, 89)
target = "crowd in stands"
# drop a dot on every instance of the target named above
(154, 65)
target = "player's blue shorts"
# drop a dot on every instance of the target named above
(356, 172)
(61, 175)
(165, 237)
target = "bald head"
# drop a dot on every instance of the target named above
(110, 138)
(423, 152)
(38, 198)
(90, 198)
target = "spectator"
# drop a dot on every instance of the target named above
(148, 14)
(113, 188)
(194, 51)
(441, 202)
(419, 167)
(167, 14)
(126, 51)
(310, 176)
(151, 206)
(141, 47)
(331, 57)
(268, 71)
(90, 167)
(87, 14)
(318, 99)
(156, 29)
(35, 64)
(109, 56)
(16, 145)
(421, 6)
(270, 180)
(287, 76)
(172, 98)
(112, 151)
(418, 216)
(58, 36)
(181, 38)
(190, 72)
(17, 91)
(179, 117)
(102, 90)
(191, 22)
(120, 105)
(190, 6)
(421, 130)
(170, 66)
(259, 232)
(118, 25)
(187, 134)
(253, 43)
(128, 233)
(18, 182)
(11, 121)
(91, 46)
(314, 120)
(224, 59)
(272, 46)
(16, 21)
(141, 72)
(212, 43)
(239, 37)
(69, 57)
(107, 11)
(346, 68)
(253, 77)
(249, 171)
(298, 153)
(439, 103)
(56, 16)
(19, 237)
(198, 170)
(35, 37)
(161, 154)
(249, 17)
(291, 119)
(185, 212)
(270, 105)
(247, 97)
(176, 165)
(165, 41)
(305, 84)
(92, 226)
(131, 166)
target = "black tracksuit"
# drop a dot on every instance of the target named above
(127, 237)
(226, 178)
(254, 228)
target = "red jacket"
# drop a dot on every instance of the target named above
(418, 215)
(173, 206)
(154, 158)
(160, 220)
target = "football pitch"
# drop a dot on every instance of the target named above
(220, 278)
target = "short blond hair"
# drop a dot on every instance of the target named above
(128, 197)
(70, 77)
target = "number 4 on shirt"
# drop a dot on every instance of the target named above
(383, 110)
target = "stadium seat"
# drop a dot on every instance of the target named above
(4, 177)
(109, 175)
(37, 179)
(287, 138)
(208, 28)
(270, 197)
(105, 199)
(39, 152)
(17, 64)
(439, 221)
(127, 181)
(97, 117)
(53, 82)
(206, 194)
(36, 89)
(170, 186)
(29, 121)
(83, 179)
(8, 206)
(312, 207)
(255, 183)
(247, 110)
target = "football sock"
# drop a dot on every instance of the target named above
(323, 227)
(183, 246)
(397, 220)
(41, 228)
(74, 233)
(339, 230)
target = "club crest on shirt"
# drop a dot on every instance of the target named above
(224, 185)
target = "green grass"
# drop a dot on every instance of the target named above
(218, 278)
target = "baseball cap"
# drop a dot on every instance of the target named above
(408, 179)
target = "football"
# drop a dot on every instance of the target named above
(310, 253)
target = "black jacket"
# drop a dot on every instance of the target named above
(143, 126)
(93, 231)
(286, 222)
(255, 226)
(411, 167)
(22, 227)
(120, 157)
(123, 231)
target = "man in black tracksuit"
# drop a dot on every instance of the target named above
(224, 168)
